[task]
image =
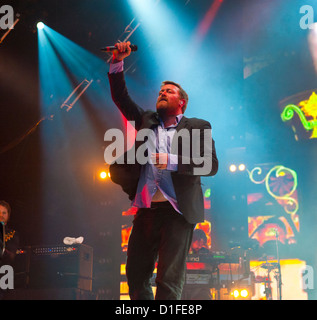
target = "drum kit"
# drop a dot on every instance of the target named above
(269, 266)
(276, 267)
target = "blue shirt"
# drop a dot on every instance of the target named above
(152, 178)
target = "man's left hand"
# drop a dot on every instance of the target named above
(160, 160)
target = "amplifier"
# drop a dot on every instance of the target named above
(59, 266)
(54, 250)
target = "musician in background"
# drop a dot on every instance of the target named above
(11, 237)
(199, 242)
(9, 240)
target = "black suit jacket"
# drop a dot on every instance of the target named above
(187, 183)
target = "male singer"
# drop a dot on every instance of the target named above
(167, 189)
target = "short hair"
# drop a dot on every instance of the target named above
(7, 206)
(182, 92)
(199, 235)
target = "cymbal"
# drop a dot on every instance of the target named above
(269, 265)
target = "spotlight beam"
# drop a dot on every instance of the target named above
(70, 76)
(207, 21)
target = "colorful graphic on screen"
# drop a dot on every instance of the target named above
(273, 206)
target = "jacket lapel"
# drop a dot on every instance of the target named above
(182, 124)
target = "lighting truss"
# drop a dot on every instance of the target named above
(129, 30)
(70, 105)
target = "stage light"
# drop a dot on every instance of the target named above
(241, 167)
(240, 293)
(244, 293)
(103, 175)
(236, 293)
(233, 168)
(40, 25)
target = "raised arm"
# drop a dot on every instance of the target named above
(119, 91)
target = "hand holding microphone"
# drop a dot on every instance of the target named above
(120, 50)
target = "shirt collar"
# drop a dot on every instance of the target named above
(178, 119)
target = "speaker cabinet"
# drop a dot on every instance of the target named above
(59, 267)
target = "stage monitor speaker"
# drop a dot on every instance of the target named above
(61, 267)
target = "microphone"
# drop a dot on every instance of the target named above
(113, 48)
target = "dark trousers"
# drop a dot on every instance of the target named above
(158, 232)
